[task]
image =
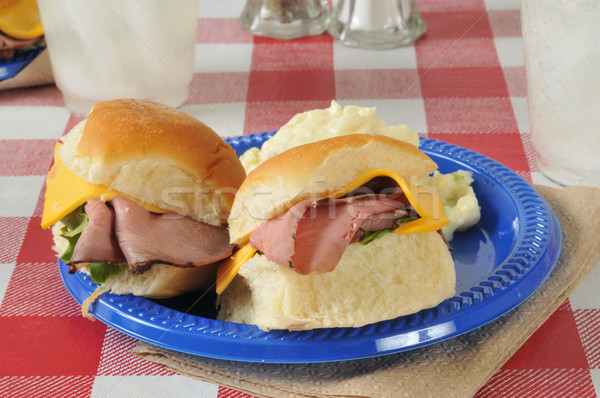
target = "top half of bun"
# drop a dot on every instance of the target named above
(157, 154)
(316, 169)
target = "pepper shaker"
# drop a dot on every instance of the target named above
(285, 19)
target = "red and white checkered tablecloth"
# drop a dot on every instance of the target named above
(463, 82)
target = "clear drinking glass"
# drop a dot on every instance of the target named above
(561, 40)
(285, 19)
(107, 49)
(376, 24)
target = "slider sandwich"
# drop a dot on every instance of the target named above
(20, 27)
(138, 197)
(336, 233)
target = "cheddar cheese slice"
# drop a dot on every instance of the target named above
(426, 203)
(21, 20)
(229, 268)
(66, 191)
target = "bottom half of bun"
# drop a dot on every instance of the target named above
(163, 281)
(392, 276)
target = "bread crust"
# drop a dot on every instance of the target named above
(316, 169)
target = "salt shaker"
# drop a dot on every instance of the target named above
(376, 24)
(285, 19)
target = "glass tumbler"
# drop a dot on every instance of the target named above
(285, 19)
(562, 60)
(108, 49)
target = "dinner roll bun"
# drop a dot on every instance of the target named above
(316, 169)
(162, 281)
(157, 154)
(392, 276)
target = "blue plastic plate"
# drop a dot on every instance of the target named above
(16, 64)
(500, 262)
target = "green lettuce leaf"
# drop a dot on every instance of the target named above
(370, 236)
(100, 272)
(75, 222)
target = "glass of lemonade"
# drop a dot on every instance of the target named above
(107, 49)
(561, 39)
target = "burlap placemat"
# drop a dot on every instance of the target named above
(37, 73)
(454, 368)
